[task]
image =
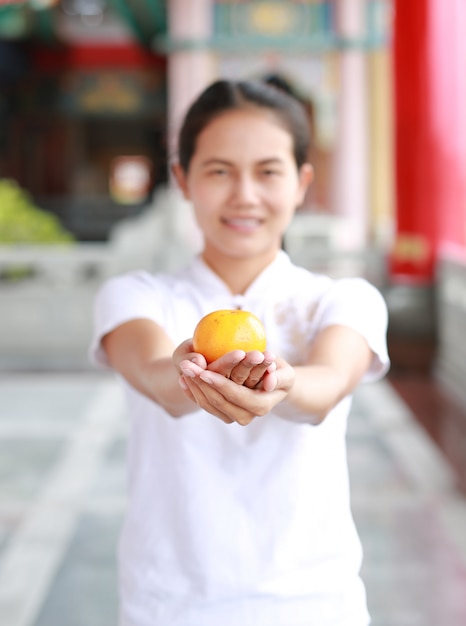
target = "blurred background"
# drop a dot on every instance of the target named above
(92, 93)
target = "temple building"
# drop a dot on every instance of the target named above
(93, 91)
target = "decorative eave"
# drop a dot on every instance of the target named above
(246, 44)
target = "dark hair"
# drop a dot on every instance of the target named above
(226, 95)
(280, 82)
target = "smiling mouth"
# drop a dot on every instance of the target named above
(243, 224)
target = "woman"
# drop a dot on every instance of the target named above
(238, 509)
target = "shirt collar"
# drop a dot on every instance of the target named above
(202, 274)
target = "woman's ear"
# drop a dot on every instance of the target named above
(306, 176)
(180, 177)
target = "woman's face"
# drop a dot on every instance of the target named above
(244, 184)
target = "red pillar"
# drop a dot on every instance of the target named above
(430, 133)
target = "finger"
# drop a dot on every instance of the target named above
(219, 405)
(258, 373)
(185, 352)
(254, 377)
(243, 370)
(198, 359)
(184, 386)
(182, 351)
(195, 389)
(269, 381)
(211, 400)
(269, 357)
(202, 402)
(225, 364)
(190, 369)
(236, 401)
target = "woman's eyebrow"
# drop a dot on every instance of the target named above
(271, 161)
(219, 161)
(215, 161)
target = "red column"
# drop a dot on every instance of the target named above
(430, 133)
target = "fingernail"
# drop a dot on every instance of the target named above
(182, 383)
(239, 357)
(256, 362)
(206, 378)
(188, 373)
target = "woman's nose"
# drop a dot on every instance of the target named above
(245, 189)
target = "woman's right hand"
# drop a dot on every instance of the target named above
(215, 392)
(254, 370)
(243, 368)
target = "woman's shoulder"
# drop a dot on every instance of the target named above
(323, 290)
(304, 280)
(327, 284)
(354, 288)
(140, 279)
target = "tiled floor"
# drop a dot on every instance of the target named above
(62, 443)
(442, 416)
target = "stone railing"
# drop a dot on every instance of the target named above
(46, 315)
(451, 321)
(45, 319)
(317, 241)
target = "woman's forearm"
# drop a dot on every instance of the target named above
(338, 359)
(141, 352)
(159, 381)
(315, 391)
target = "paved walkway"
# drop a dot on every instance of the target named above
(62, 444)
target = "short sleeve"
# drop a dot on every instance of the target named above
(119, 300)
(355, 303)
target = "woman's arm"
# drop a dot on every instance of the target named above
(338, 359)
(141, 352)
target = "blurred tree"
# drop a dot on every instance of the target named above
(22, 222)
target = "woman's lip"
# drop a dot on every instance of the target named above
(243, 223)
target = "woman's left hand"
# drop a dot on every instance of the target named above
(238, 389)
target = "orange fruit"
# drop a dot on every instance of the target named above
(222, 331)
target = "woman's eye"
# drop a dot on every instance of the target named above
(218, 172)
(270, 172)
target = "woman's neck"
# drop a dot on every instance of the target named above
(238, 274)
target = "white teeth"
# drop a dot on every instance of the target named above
(244, 221)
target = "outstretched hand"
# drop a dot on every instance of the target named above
(237, 387)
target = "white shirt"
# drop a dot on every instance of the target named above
(241, 526)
